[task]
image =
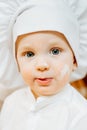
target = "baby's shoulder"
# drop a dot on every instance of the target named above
(77, 100)
(15, 104)
(18, 99)
(17, 95)
(77, 106)
(77, 109)
(73, 98)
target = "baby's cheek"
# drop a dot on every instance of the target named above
(25, 73)
(63, 72)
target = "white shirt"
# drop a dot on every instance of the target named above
(66, 110)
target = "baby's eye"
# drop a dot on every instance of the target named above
(55, 51)
(29, 54)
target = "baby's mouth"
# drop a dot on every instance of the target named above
(44, 81)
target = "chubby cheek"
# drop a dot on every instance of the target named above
(63, 73)
(26, 73)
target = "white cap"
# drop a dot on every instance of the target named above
(75, 31)
(57, 17)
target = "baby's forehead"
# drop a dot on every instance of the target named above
(43, 38)
(52, 35)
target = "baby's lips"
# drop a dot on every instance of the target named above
(44, 81)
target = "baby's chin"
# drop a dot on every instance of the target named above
(45, 92)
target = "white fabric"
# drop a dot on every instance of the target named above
(79, 7)
(54, 17)
(66, 110)
(9, 9)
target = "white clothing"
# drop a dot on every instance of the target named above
(66, 110)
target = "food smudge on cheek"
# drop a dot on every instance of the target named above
(65, 70)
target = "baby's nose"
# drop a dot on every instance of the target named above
(42, 65)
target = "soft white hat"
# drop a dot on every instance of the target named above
(12, 10)
(54, 17)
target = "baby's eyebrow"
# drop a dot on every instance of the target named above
(55, 43)
(25, 48)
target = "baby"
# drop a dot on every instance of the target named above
(45, 49)
(45, 61)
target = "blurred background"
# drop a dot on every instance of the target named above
(81, 86)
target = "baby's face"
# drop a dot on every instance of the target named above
(45, 61)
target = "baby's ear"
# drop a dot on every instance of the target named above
(74, 63)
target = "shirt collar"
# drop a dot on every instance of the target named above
(43, 101)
